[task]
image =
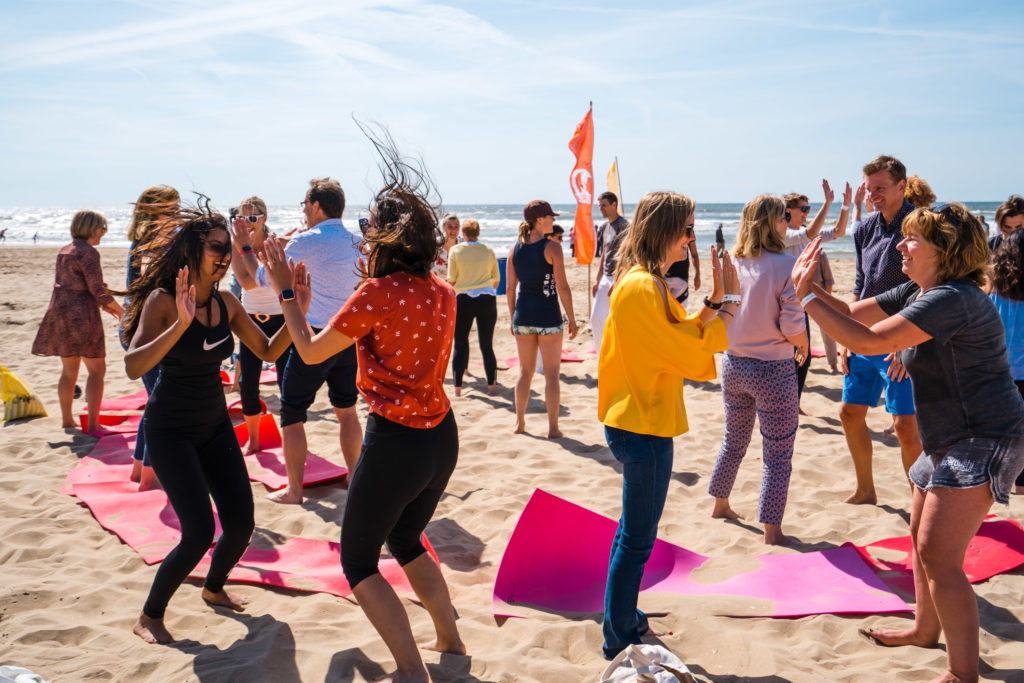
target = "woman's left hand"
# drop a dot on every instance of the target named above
(717, 287)
(803, 269)
(573, 328)
(303, 292)
(280, 271)
(730, 278)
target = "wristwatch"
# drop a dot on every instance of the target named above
(711, 304)
(286, 295)
(731, 299)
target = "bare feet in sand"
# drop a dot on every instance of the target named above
(252, 447)
(456, 648)
(519, 428)
(895, 637)
(152, 630)
(724, 511)
(555, 433)
(148, 480)
(862, 498)
(225, 599)
(458, 391)
(492, 389)
(286, 497)
(773, 535)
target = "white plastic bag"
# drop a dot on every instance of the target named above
(17, 674)
(646, 664)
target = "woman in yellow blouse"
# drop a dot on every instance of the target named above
(650, 345)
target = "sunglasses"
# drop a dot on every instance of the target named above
(805, 209)
(253, 218)
(945, 209)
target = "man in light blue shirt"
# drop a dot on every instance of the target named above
(331, 255)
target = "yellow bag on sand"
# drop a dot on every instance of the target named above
(19, 401)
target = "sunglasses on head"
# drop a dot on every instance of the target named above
(947, 210)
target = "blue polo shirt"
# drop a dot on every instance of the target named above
(879, 263)
(330, 253)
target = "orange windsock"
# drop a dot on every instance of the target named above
(581, 180)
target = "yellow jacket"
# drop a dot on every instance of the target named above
(472, 265)
(644, 358)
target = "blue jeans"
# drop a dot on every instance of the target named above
(149, 381)
(646, 468)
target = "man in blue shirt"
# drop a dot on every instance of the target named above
(879, 268)
(331, 254)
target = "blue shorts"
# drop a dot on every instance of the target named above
(972, 462)
(863, 386)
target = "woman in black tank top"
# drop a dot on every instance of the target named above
(179, 320)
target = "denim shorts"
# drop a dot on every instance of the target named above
(972, 462)
(863, 386)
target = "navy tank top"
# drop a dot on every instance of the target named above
(189, 389)
(536, 296)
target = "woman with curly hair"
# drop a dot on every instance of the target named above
(1006, 289)
(402, 322)
(178, 319)
(950, 338)
(919, 192)
(1009, 218)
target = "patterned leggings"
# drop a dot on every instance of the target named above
(767, 389)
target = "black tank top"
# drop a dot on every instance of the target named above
(189, 389)
(537, 296)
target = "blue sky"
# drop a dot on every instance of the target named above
(720, 100)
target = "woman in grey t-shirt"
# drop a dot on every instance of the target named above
(950, 340)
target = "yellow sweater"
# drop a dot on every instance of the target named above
(472, 265)
(644, 358)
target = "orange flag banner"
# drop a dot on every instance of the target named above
(581, 180)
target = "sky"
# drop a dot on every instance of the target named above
(720, 100)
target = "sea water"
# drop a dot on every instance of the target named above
(499, 223)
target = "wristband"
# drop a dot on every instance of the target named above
(728, 313)
(808, 299)
(731, 299)
(246, 249)
(711, 304)
(846, 207)
(286, 295)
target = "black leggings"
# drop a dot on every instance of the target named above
(485, 309)
(250, 366)
(193, 463)
(401, 474)
(801, 370)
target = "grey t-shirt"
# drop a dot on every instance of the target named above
(962, 382)
(612, 233)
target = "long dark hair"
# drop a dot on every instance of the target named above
(188, 230)
(408, 237)
(1007, 270)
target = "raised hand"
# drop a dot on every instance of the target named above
(303, 292)
(730, 278)
(847, 195)
(279, 270)
(717, 287)
(184, 298)
(240, 235)
(861, 191)
(829, 194)
(803, 269)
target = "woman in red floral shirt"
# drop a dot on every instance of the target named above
(402, 321)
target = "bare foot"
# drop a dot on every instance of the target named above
(225, 599)
(458, 391)
(895, 637)
(891, 429)
(859, 498)
(722, 510)
(492, 389)
(91, 429)
(801, 411)
(456, 648)
(149, 480)
(69, 425)
(286, 497)
(948, 676)
(136, 474)
(152, 630)
(252, 447)
(773, 535)
(520, 428)
(555, 433)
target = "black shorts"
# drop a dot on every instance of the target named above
(302, 381)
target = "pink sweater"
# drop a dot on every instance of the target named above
(770, 311)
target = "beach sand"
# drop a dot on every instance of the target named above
(70, 591)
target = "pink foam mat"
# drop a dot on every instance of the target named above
(136, 401)
(998, 547)
(111, 424)
(563, 566)
(267, 465)
(567, 357)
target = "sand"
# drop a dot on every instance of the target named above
(70, 591)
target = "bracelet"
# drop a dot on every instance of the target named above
(729, 313)
(846, 207)
(711, 304)
(808, 299)
(731, 299)
(246, 249)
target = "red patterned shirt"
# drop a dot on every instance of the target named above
(403, 326)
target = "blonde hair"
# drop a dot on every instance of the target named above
(918, 192)
(471, 227)
(525, 228)
(757, 231)
(151, 205)
(660, 219)
(260, 206)
(958, 236)
(85, 225)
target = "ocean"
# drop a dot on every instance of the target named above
(499, 223)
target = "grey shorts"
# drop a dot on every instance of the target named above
(972, 462)
(523, 330)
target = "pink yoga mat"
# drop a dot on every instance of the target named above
(136, 401)
(235, 409)
(998, 547)
(567, 357)
(266, 377)
(267, 466)
(110, 424)
(564, 565)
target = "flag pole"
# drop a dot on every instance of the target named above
(618, 178)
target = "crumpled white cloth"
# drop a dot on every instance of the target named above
(646, 664)
(18, 674)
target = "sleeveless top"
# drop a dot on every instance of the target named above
(536, 296)
(189, 389)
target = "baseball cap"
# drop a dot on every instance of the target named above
(538, 209)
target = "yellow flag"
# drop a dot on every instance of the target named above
(613, 180)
